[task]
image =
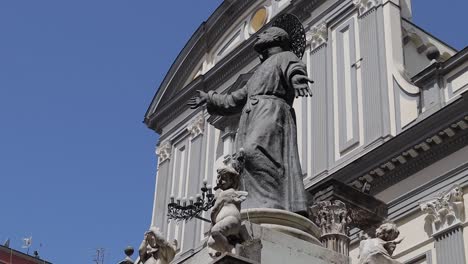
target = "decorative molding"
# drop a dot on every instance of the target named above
(365, 5)
(197, 126)
(376, 176)
(444, 211)
(318, 35)
(164, 151)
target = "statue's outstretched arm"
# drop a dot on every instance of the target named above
(297, 75)
(227, 104)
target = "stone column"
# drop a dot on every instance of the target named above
(445, 216)
(333, 220)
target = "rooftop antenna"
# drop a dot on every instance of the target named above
(99, 257)
(27, 242)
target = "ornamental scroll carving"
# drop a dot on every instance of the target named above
(365, 5)
(164, 151)
(318, 35)
(445, 210)
(197, 126)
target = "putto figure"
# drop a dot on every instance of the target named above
(225, 214)
(154, 248)
(267, 126)
(379, 250)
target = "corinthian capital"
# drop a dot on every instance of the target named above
(197, 126)
(365, 5)
(331, 217)
(445, 210)
(318, 35)
(164, 151)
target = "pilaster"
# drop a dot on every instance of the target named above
(319, 115)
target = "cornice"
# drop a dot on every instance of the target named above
(433, 138)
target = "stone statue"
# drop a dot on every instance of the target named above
(225, 214)
(267, 126)
(154, 248)
(379, 250)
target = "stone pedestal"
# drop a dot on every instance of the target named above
(263, 245)
(285, 222)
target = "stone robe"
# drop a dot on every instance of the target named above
(267, 132)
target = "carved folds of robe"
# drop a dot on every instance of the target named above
(267, 132)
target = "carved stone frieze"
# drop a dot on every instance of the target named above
(197, 126)
(318, 35)
(445, 210)
(365, 5)
(164, 151)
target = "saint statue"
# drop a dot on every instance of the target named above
(154, 248)
(272, 172)
(379, 250)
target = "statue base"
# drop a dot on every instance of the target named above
(267, 243)
(285, 222)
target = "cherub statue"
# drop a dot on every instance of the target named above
(379, 250)
(225, 214)
(154, 248)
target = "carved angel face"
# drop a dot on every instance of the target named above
(226, 180)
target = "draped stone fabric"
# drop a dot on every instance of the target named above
(267, 132)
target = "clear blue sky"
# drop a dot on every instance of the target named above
(77, 164)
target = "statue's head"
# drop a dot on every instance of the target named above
(229, 171)
(155, 237)
(272, 37)
(387, 232)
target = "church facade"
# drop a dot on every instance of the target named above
(388, 117)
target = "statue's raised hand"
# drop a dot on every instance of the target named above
(300, 84)
(198, 99)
